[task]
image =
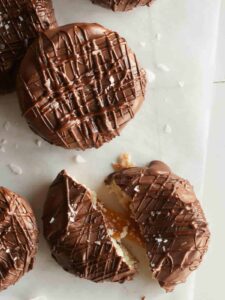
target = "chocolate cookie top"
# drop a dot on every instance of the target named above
(79, 85)
(170, 219)
(20, 23)
(75, 228)
(122, 5)
(19, 235)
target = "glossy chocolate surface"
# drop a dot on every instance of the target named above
(170, 219)
(79, 85)
(20, 23)
(76, 231)
(19, 235)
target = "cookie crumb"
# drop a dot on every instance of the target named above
(143, 298)
(123, 162)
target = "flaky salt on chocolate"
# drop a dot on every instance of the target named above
(20, 23)
(79, 85)
(19, 237)
(79, 238)
(170, 219)
(122, 5)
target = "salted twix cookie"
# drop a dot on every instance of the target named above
(169, 216)
(20, 23)
(19, 235)
(78, 234)
(79, 85)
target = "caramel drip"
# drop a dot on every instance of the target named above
(120, 221)
(170, 220)
(18, 242)
(122, 5)
(78, 236)
(20, 23)
(82, 86)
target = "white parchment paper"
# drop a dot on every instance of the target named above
(176, 41)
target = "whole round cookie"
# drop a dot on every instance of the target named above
(19, 237)
(170, 219)
(122, 5)
(79, 85)
(77, 231)
(20, 23)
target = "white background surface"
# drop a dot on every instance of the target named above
(188, 31)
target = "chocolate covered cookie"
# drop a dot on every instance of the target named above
(78, 235)
(20, 23)
(170, 219)
(19, 235)
(79, 85)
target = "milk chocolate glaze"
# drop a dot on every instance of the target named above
(19, 235)
(170, 219)
(79, 85)
(20, 23)
(75, 228)
(122, 5)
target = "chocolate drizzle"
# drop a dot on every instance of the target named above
(170, 219)
(75, 228)
(20, 23)
(122, 5)
(19, 234)
(79, 85)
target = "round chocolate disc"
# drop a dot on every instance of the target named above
(79, 84)
(20, 23)
(122, 5)
(19, 235)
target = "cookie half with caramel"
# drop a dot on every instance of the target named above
(169, 216)
(80, 240)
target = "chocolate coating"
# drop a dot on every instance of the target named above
(79, 85)
(122, 5)
(19, 235)
(20, 23)
(170, 220)
(76, 231)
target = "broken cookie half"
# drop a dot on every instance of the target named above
(169, 217)
(78, 234)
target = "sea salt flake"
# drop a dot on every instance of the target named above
(167, 128)
(163, 67)
(142, 44)
(158, 240)
(79, 159)
(150, 76)
(181, 84)
(7, 250)
(52, 220)
(15, 169)
(112, 80)
(38, 143)
(98, 243)
(137, 188)
(158, 36)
